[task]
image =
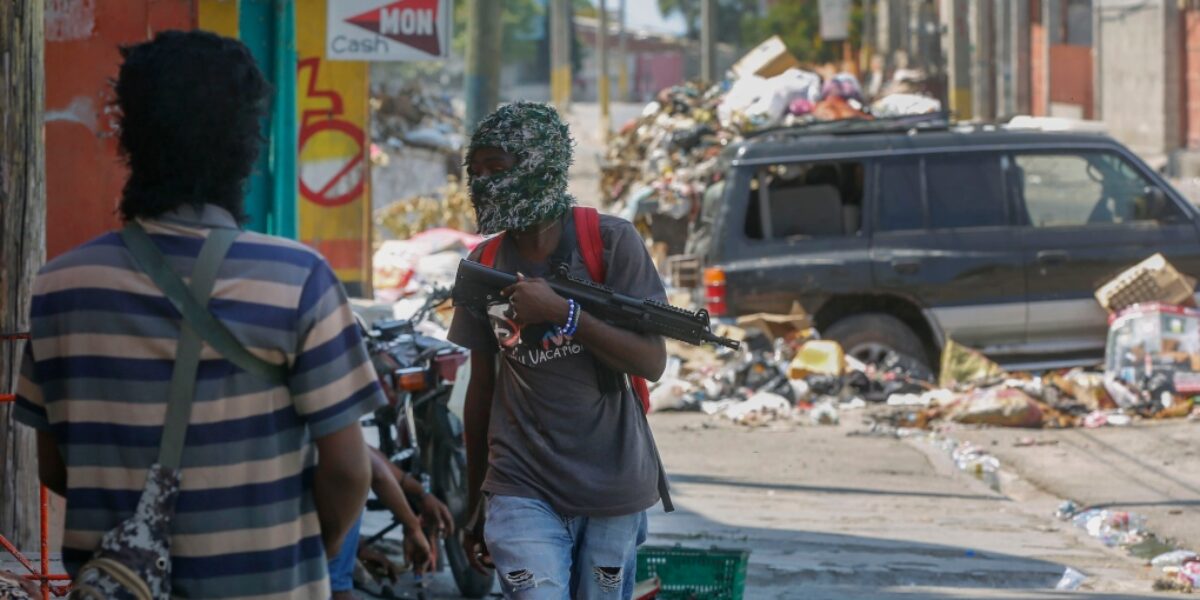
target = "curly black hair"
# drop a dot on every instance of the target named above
(191, 104)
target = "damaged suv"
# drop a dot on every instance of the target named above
(897, 237)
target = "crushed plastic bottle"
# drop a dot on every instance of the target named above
(980, 464)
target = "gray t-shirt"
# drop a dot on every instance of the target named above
(554, 434)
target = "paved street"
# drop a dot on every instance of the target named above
(1152, 469)
(830, 513)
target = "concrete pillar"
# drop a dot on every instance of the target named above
(1022, 61)
(983, 72)
(957, 47)
(1139, 61)
(1002, 58)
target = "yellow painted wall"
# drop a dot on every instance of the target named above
(331, 98)
(218, 16)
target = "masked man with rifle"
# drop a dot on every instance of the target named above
(558, 446)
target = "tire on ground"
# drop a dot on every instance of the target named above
(878, 328)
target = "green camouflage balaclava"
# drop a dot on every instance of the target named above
(535, 189)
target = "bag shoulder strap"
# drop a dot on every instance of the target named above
(151, 260)
(182, 390)
(591, 245)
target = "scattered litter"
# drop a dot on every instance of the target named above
(759, 409)
(671, 394)
(824, 413)
(1174, 558)
(1027, 442)
(1002, 406)
(1066, 510)
(1071, 580)
(1152, 280)
(1112, 527)
(978, 463)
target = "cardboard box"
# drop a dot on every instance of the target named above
(1152, 280)
(768, 59)
(778, 326)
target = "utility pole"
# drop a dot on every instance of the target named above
(708, 41)
(560, 54)
(622, 58)
(485, 44)
(602, 68)
(22, 248)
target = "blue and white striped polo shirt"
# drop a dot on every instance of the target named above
(96, 375)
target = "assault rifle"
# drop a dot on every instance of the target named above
(477, 286)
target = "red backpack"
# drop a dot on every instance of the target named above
(591, 247)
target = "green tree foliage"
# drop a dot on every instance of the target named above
(522, 22)
(728, 11)
(799, 24)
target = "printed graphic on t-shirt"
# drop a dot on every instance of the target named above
(531, 346)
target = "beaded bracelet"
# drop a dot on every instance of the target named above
(573, 319)
(571, 307)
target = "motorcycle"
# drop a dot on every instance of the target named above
(421, 429)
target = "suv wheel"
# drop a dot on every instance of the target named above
(871, 337)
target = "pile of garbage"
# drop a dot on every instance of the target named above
(449, 207)
(415, 117)
(785, 371)
(410, 267)
(660, 163)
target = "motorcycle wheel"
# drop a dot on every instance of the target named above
(449, 475)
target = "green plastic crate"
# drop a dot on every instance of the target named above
(693, 574)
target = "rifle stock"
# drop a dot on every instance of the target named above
(477, 286)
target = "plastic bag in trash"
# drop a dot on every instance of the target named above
(758, 103)
(824, 413)
(1071, 580)
(670, 394)
(899, 105)
(1172, 559)
(1001, 406)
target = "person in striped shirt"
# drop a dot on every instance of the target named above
(273, 475)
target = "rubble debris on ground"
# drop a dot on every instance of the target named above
(1152, 372)
(450, 207)
(416, 116)
(1179, 569)
(428, 259)
(1152, 280)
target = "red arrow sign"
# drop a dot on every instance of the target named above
(410, 22)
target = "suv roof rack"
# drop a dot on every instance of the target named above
(938, 121)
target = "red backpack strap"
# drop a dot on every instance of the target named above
(490, 249)
(591, 245)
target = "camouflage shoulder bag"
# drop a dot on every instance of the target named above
(133, 561)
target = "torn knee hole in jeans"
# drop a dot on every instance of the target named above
(521, 579)
(609, 578)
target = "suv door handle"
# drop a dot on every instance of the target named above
(906, 266)
(1052, 257)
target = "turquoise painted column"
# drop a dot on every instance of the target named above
(268, 28)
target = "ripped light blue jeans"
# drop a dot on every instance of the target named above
(542, 555)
